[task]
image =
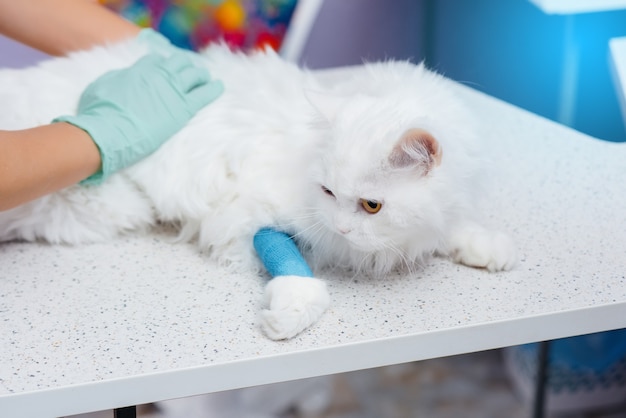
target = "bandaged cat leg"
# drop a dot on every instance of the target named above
(293, 299)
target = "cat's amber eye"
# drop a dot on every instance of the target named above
(327, 191)
(371, 206)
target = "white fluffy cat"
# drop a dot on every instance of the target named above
(372, 175)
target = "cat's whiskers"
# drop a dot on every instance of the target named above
(359, 267)
(314, 214)
(311, 232)
(408, 264)
(315, 227)
(315, 234)
(394, 249)
(306, 214)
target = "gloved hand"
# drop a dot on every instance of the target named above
(158, 43)
(129, 113)
(155, 40)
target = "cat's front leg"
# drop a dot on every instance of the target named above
(293, 299)
(476, 246)
(292, 304)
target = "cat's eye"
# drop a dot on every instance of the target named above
(371, 206)
(327, 191)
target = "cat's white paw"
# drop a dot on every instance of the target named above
(292, 303)
(479, 247)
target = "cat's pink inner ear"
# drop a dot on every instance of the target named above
(416, 148)
(327, 105)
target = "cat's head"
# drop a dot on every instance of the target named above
(385, 179)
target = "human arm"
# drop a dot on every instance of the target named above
(129, 113)
(57, 27)
(117, 118)
(38, 161)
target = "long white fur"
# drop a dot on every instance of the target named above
(259, 156)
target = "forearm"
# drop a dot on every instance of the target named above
(38, 161)
(57, 27)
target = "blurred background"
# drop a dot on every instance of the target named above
(555, 65)
(550, 57)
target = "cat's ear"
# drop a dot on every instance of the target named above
(417, 148)
(326, 104)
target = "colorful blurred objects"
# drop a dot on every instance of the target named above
(192, 24)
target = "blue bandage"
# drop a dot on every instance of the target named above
(279, 254)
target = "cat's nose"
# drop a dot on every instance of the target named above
(343, 231)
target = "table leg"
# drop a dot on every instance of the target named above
(539, 407)
(127, 412)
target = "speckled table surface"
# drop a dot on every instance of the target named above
(143, 319)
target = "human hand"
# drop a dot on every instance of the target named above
(158, 43)
(129, 113)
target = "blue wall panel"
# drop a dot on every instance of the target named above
(553, 65)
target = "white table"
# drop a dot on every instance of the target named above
(141, 319)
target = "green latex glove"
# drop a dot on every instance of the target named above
(129, 113)
(159, 43)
